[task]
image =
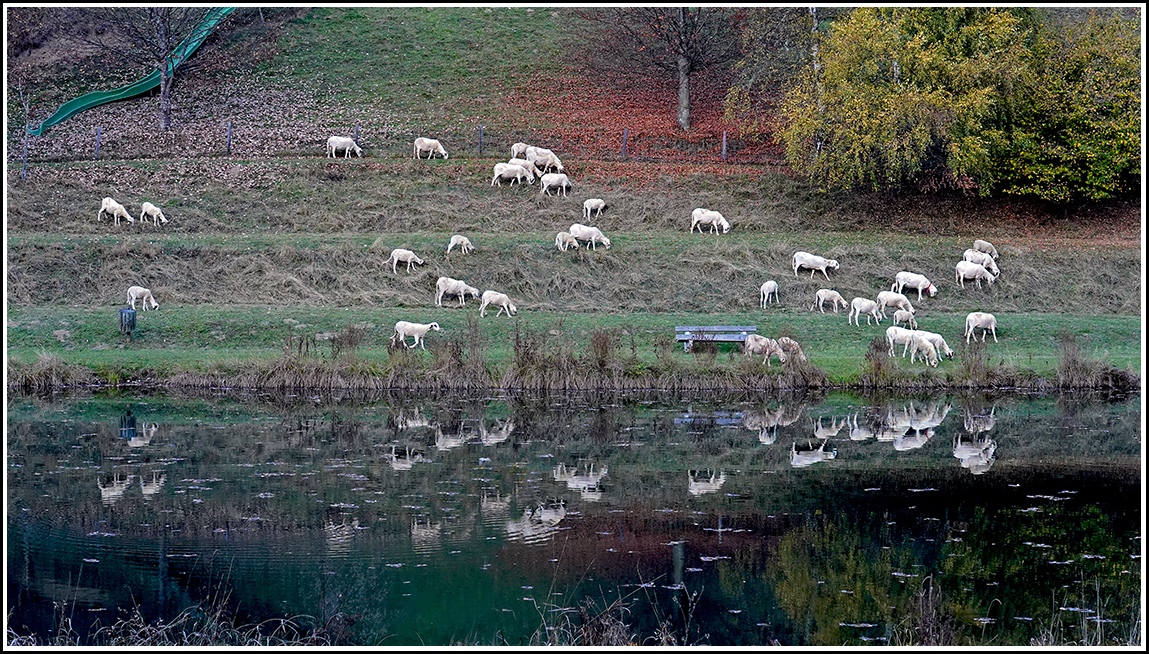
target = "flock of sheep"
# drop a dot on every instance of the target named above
(528, 162)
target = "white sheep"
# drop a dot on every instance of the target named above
(449, 286)
(430, 146)
(400, 255)
(529, 165)
(463, 242)
(906, 279)
(544, 159)
(969, 270)
(920, 345)
(828, 295)
(143, 295)
(592, 234)
(564, 240)
(499, 300)
(983, 258)
(115, 210)
(557, 180)
(756, 344)
(593, 204)
(901, 315)
(519, 150)
(813, 262)
(403, 329)
(939, 342)
(892, 299)
(149, 210)
(861, 305)
(983, 321)
(700, 217)
(985, 246)
(513, 172)
(769, 288)
(899, 336)
(791, 348)
(344, 144)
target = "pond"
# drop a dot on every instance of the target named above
(710, 519)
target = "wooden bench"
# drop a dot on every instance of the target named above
(715, 333)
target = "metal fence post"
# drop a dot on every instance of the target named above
(723, 146)
(480, 139)
(229, 137)
(97, 158)
(625, 133)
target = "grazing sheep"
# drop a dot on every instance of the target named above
(463, 242)
(977, 256)
(512, 172)
(529, 165)
(767, 347)
(448, 286)
(430, 146)
(564, 240)
(983, 321)
(792, 349)
(901, 315)
(940, 344)
(899, 336)
(592, 234)
(813, 262)
(403, 329)
(862, 305)
(969, 270)
(519, 150)
(985, 246)
(907, 279)
(700, 217)
(337, 143)
(544, 159)
(499, 300)
(142, 294)
(769, 288)
(557, 180)
(920, 345)
(593, 204)
(892, 299)
(397, 255)
(115, 210)
(149, 210)
(828, 295)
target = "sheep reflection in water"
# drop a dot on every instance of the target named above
(111, 491)
(808, 457)
(702, 484)
(536, 525)
(587, 483)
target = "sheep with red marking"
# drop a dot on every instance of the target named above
(906, 279)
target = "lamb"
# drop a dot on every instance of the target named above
(149, 210)
(813, 262)
(769, 288)
(499, 300)
(977, 256)
(513, 172)
(403, 329)
(337, 143)
(592, 234)
(593, 204)
(940, 344)
(463, 242)
(983, 321)
(828, 295)
(142, 294)
(557, 180)
(430, 146)
(519, 150)
(529, 165)
(756, 344)
(920, 345)
(700, 217)
(399, 254)
(115, 210)
(906, 279)
(985, 246)
(791, 348)
(892, 299)
(901, 315)
(448, 286)
(564, 240)
(970, 270)
(899, 336)
(861, 305)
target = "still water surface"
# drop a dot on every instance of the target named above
(437, 520)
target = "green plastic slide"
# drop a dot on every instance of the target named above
(185, 50)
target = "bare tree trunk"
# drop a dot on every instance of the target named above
(166, 100)
(683, 92)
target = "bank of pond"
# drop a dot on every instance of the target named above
(495, 518)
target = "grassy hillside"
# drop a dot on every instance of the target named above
(275, 236)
